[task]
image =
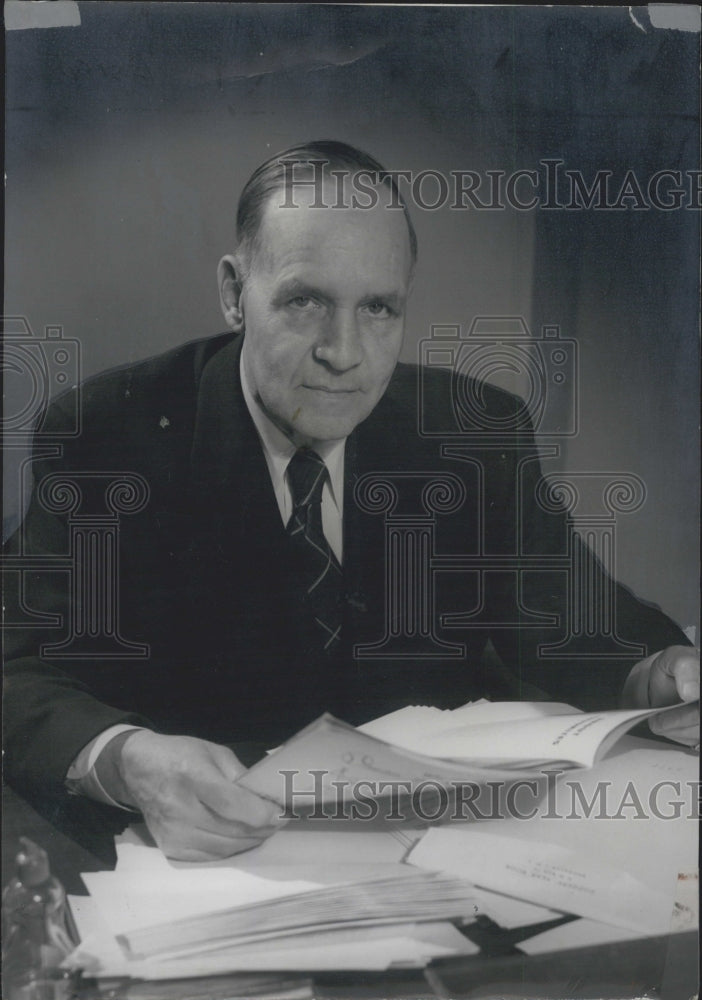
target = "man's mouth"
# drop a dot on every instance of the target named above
(331, 391)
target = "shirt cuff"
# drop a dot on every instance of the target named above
(82, 778)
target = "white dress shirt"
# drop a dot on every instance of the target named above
(278, 449)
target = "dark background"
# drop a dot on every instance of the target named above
(129, 138)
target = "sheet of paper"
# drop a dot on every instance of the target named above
(138, 899)
(309, 766)
(499, 732)
(416, 722)
(318, 842)
(546, 874)
(636, 805)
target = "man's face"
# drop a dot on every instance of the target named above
(323, 308)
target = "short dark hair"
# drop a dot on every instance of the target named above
(270, 177)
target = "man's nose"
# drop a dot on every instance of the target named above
(340, 344)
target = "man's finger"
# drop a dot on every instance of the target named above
(686, 671)
(209, 821)
(196, 827)
(688, 683)
(674, 674)
(679, 659)
(227, 761)
(203, 845)
(232, 802)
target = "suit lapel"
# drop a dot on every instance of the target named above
(229, 472)
(370, 449)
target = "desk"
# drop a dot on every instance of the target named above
(654, 967)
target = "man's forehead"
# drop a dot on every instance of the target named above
(328, 208)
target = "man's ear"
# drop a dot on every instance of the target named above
(230, 292)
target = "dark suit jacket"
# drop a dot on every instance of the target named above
(207, 583)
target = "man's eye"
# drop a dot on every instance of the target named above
(301, 302)
(380, 310)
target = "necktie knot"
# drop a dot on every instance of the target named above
(306, 475)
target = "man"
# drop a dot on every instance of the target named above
(255, 574)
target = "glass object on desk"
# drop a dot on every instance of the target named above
(35, 931)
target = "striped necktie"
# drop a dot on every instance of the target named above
(320, 572)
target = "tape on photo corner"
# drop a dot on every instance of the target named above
(21, 15)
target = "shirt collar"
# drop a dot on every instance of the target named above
(279, 449)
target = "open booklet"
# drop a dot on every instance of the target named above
(477, 742)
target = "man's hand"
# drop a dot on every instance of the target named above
(666, 678)
(184, 788)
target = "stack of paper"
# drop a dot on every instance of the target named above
(272, 908)
(609, 845)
